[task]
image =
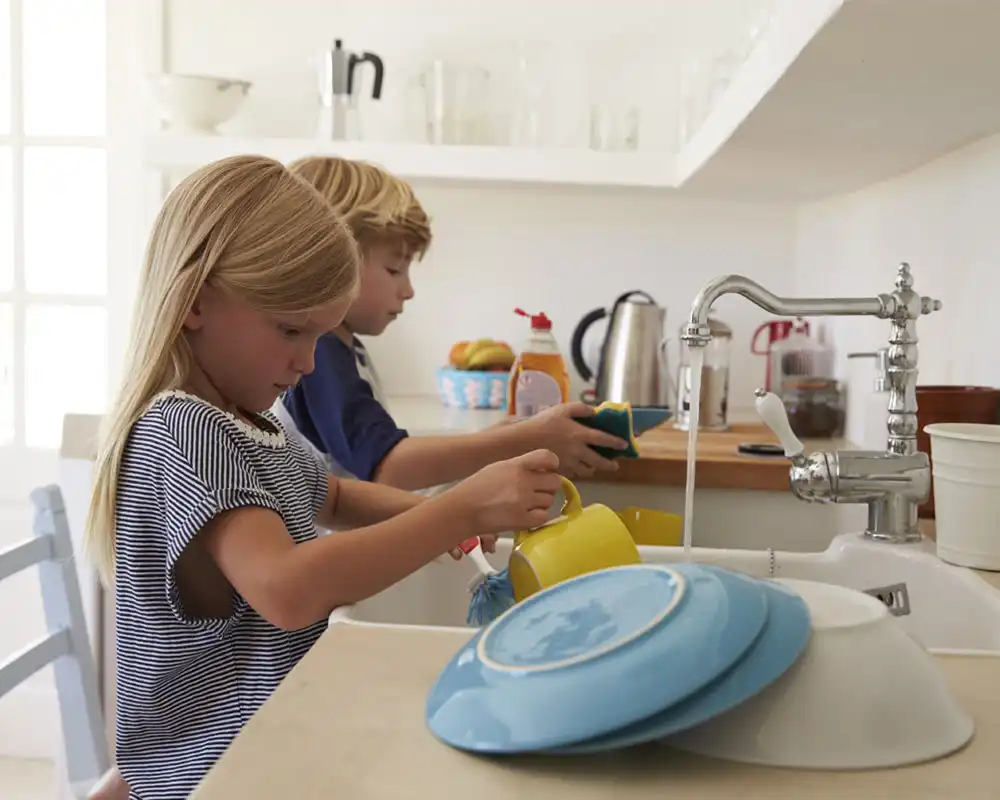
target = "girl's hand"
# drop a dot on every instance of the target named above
(488, 541)
(557, 430)
(508, 495)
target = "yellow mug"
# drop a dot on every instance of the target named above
(579, 541)
(649, 526)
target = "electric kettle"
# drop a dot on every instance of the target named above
(632, 367)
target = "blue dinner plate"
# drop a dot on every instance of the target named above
(591, 655)
(781, 643)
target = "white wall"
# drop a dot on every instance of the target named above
(942, 219)
(567, 251)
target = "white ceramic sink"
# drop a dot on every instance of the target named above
(950, 608)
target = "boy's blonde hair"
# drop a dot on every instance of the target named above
(377, 205)
(256, 231)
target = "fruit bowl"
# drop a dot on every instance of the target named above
(460, 388)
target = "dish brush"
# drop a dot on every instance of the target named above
(492, 592)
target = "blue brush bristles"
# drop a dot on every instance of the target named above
(490, 599)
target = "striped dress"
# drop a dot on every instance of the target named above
(187, 686)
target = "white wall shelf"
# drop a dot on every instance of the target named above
(836, 96)
(437, 162)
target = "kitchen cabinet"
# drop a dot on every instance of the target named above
(818, 98)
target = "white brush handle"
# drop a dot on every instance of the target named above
(475, 552)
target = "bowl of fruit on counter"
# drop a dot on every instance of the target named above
(476, 375)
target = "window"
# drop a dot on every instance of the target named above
(53, 227)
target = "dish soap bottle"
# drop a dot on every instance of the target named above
(538, 379)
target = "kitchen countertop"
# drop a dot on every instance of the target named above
(662, 459)
(349, 722)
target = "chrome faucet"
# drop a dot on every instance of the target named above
(892, 483)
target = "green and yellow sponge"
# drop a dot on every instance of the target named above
(616, 419)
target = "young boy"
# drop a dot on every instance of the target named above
(339, 408)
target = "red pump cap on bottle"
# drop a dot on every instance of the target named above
(539, 322)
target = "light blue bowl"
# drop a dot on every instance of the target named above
(645, 418)
(782, 641)
(592, 655)
(459, 388)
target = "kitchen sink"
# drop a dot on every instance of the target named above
(941, 606)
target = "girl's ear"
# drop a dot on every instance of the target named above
(195, 318)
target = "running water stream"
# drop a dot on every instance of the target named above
(696, 358)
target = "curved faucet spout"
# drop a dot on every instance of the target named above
(696, 332)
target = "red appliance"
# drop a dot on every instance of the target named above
(777, 330)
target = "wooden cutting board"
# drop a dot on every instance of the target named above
(663, 460)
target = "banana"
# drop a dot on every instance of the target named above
(469, 353)
(492, 357)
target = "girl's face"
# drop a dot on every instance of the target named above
(385, 288)
(245, 358)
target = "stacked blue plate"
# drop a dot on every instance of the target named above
(615, 658)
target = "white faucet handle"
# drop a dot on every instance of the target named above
(772, 412)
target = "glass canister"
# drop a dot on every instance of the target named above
(713, 409)
(816, 407)
(799, 355)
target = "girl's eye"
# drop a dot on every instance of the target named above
(289, 332)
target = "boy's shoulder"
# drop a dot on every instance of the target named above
(332, 352)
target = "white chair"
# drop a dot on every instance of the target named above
(66, 646)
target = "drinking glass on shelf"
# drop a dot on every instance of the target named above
(457, 105)
(614, 126)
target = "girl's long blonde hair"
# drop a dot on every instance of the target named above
(256, 230)
(376, 205)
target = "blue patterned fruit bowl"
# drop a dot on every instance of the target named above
(460, 388)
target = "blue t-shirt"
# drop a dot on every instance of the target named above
(338, 409)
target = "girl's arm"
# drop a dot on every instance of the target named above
(353, 504)
(295, 585)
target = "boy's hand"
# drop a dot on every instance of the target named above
(557, 430)
(509, 495)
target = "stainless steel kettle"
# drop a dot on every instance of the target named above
(632, 366)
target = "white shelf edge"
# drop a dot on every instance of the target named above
(437, 162)
(785, 39)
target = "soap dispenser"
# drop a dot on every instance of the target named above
(875, 407)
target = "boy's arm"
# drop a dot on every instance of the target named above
(419, 462)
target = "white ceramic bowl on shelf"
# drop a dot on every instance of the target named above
(864, 695)
(197, 103)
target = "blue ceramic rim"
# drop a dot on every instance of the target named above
(679, 594)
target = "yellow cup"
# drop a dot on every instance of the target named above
(649, 526)
(579, 541)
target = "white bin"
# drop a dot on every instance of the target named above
(966, 459)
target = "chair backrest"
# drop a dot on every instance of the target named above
(66, 645)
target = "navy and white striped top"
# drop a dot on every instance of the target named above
(187, 686)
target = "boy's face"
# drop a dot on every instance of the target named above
(385, 288)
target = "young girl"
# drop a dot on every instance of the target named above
(340, 409)
(203, 512)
